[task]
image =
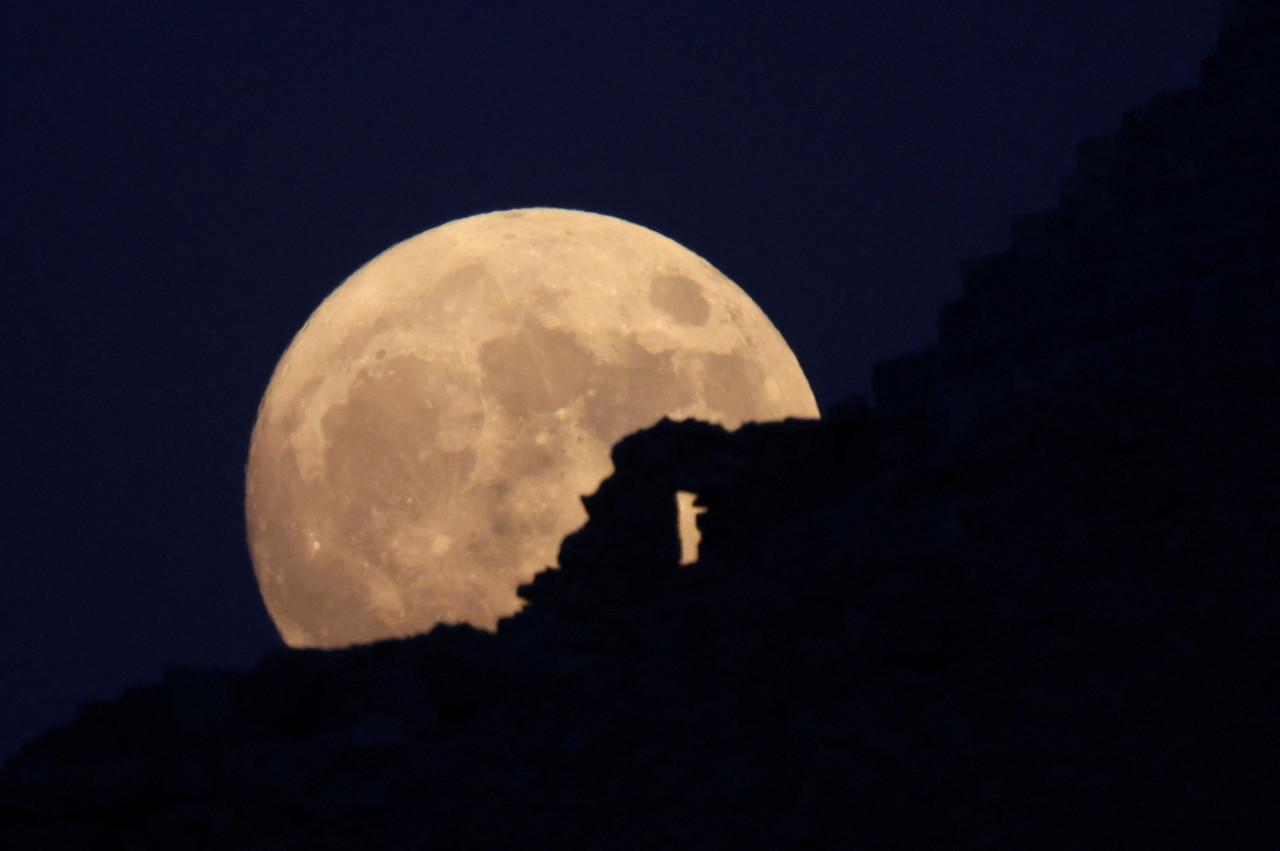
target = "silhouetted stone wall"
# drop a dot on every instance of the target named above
(750, 481)
(1175, 207)
(1248, 22)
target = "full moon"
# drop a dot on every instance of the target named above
(424, 442)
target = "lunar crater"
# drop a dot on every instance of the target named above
(680, 298)
(535, 369)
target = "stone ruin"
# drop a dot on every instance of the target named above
(748, 481)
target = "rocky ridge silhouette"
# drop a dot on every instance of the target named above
(1030, 598)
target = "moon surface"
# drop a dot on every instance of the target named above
(424, 442)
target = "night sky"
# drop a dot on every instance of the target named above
(183, 183)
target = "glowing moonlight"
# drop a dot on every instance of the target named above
(424, 442)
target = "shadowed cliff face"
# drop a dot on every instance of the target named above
(1161, 217)
(1028, 599)
(1248, 22)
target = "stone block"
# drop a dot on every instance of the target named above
(902, 383)
(201, 700)
(1098, 159)
(1248, 22)
(1035, 230)
(987, 277)
(955, 323)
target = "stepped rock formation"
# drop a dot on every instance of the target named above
(1030, 598)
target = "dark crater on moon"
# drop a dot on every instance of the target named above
(680, 298)
(534, 370)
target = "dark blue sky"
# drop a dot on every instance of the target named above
(184, 182)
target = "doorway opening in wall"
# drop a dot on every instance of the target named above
(687, 524)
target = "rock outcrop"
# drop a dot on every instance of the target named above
(1029, 599)
(1161, 219)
